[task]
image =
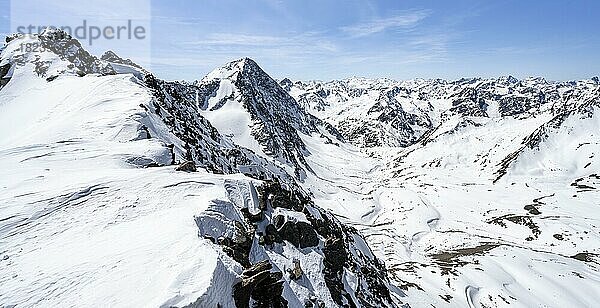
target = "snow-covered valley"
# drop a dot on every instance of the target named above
(350, 193)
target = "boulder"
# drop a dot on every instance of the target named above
(187, 166)
(300, 234)
(261, 285)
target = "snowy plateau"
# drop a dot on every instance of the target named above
(119, 189)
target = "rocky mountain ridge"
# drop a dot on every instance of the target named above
(383, 112)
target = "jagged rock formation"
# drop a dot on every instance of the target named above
(4, 74)
(175, 103)
(67, 48)
(112, 57)
(261, 286)
(273, 220)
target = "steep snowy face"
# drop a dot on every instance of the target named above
(572, 131)
(176, 104)
(383, 112)
(247, 105)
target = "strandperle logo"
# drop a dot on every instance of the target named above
(124, 27)
(89, 32)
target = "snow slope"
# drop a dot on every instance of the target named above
(79, 216)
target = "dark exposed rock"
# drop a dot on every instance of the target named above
(335, 259)
(586, 257)
(175, 102)
(520, 220)
(278, 221)
(9, 38)
(448, 260)
(469, 103)
(261, 285)
(286, 84)
(299, 234)
(187, 166)
(271, 235)
(69, 49)
(252, 218)
(339, 248)
(532, 209)
(112, 57)
(514, 105)
(171, 149)
(237, 251)
(273, 194)
(4, 69)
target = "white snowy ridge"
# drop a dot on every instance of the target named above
(121, 189)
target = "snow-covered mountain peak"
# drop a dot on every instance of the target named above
(507, 80)
(53, 52)
(50, 54)
(247, 105)
(233, 68)
(112, 57)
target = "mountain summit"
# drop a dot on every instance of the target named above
(249, 106)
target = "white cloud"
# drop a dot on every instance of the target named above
(404, 19)
(305, 42)
(238, 39)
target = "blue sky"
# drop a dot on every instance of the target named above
(399, 39)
